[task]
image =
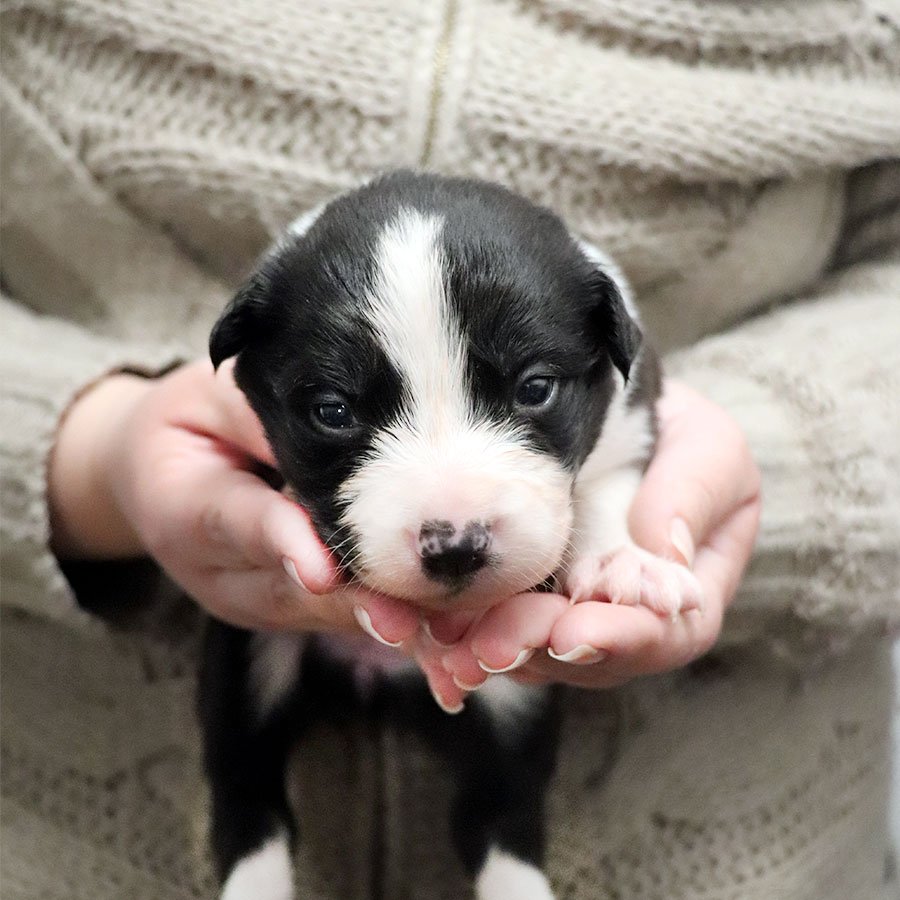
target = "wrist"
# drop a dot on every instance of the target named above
(86, 520)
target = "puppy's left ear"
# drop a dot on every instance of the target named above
(615, 328)
(243, 320)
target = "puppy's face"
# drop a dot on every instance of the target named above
(432, 361)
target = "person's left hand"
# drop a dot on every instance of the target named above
(699, 504)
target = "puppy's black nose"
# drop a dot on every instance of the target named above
(450, 555)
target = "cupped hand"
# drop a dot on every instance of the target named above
(698, 504)
(170, 467)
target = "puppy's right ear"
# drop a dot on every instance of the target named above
(243, 320)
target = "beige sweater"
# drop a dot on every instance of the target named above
(151, 149)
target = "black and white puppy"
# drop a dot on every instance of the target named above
(456, 390)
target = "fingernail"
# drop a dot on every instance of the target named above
(426, 627)
(365, 622)
(681, 539)
(292, 572)
(466, 687)
(521, 659)
(446, 707)
(582, 655)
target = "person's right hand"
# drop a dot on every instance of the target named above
(166, 467)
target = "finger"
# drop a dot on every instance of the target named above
(543, 669)
(442, 636)
(389, 621)
(448, 695)
(245, 517)
(720, 563)
(260, 599)
(701, 472)
(628, 641)
(248, 525)
(226, 416)
(239, 424)
(462, 667)
(505, 637)
(446, 629)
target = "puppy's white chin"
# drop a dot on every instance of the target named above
(482, 590)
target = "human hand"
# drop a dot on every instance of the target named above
(167, 467)
(699, 504)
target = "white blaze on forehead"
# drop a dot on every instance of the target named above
(410, 311)
(441, 459)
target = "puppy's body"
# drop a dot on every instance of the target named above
(455, 389)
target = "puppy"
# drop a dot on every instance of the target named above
(456, 390)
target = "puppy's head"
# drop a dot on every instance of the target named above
(432, 360)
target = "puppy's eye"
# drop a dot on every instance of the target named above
(334, 415)
(536, 392)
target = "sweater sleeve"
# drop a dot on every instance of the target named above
(45, 363)
(816, 387)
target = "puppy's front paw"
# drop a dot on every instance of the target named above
(634, 577)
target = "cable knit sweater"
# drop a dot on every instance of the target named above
(736, 159)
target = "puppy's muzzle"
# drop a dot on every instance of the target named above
(451, 555)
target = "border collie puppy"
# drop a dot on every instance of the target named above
(456, 390)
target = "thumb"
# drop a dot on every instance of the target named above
(235, 421)
(702, 472)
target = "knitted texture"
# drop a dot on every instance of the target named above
(206, 129)
(834, 531)
(152, 149)
(737, 784)
(226, 121)
(31, 403)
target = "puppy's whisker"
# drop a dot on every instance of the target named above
(431, 398)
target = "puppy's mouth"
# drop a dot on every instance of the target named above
(453, 537)
(474, 591)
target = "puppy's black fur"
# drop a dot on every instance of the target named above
(521, 290)
(522, 294)
(500, 782)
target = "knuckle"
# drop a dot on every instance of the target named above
(703, 498)
(284, 600)
(159, 538)
(213, 525)
(268, 533)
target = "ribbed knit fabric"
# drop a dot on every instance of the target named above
(727, 153)
(828, 374)
(736, 784)
(45, 363)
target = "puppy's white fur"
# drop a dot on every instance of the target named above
(503, 877)
(509, 702)
(604, 562)
(442, 461)
(449, 465)
(303, 223)
(275, 662)
(266, 873)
